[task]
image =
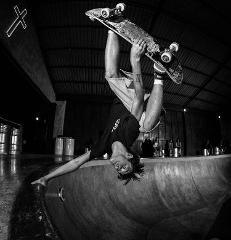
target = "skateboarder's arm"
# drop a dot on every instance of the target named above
(135, 56)
(66, 168)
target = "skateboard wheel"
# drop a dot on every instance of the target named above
(105, 12)
(121, 7)
(174, 46)
(166, 57)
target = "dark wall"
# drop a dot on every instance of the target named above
(22, 102)
(225, 124)
(172, 126)
(85, 119)
(193, 128)
(200, 127)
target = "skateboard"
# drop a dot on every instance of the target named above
(163, 58)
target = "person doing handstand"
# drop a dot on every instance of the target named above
(127, 118)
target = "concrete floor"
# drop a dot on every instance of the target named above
(9, 183)
(16, 173)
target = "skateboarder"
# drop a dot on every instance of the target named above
(127, 118)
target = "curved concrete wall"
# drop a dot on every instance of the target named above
(175, 199)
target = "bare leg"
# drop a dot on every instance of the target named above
(154, 105)
(112, 55)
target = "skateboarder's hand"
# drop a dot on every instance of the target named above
(41, 181)
(137, 50)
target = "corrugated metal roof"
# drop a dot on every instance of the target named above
(197, 104)
(212, 97)
(183, 89)
(220, 88)
(224, 75)
(73, 47)
(174, 99)
(195, 78)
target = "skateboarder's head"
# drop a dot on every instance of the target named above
(121, 163)
(128, 166)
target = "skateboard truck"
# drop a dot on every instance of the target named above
(166, 56)
(108, 12)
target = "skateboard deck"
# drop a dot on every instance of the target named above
(164, 58)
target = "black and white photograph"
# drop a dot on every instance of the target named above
(115, 120)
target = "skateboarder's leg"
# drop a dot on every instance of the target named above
(115, 80)
(112, 56)
(154, 105)
(119, 83)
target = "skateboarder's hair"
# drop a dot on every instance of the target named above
(137, 172)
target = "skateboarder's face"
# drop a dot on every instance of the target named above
(121, 164)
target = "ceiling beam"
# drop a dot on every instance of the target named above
(105, 83)
(148, 89)
(199, 99)
(145, 74)
(85, 98)
(47, 50)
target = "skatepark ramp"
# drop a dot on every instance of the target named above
(177, 198)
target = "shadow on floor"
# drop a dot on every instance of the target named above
(24, 222)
